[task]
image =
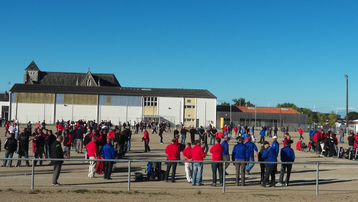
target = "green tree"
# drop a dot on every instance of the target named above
(242, 102)
(352, 115)
(321, 118)
(332, 118)
(293, 106)
(224, 104)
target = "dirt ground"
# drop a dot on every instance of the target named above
(336, 182)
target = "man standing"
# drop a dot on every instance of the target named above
(146, 141)
(341, 136)
(40, 143)
(188, 165)
(217, 155)
(108, 153)
(92, 151)
(198, 155)
(226, 155)
(173, 152)
(192, 135)
(239, 153)
(287, 155)
(262, 135)
(300, 131)
(23, 147)
(269, 155)
(183, 132)
(79, 139)
(56, 153)
(10, 147)
(251, 147)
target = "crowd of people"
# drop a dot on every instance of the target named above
(105, 141)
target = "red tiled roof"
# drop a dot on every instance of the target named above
(271, 110)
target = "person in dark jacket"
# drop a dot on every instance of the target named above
(67, 143)
(56, 153)
(269, 155)
(287, 155)
(51, 140)
(23, 139)
(10, 147)
(40, 144)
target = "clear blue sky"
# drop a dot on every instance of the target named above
(267, 52)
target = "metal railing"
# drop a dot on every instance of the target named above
(129, 161)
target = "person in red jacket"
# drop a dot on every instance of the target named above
(300, 131)
(188, 164)
(197, 154)
(146, 141)
(92, 151)
(217, 155)
(173, 152)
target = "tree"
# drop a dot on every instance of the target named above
(332, 118)
(293, 106)
(242, 102)
(321, 119)
(352, 115)
(224, 104)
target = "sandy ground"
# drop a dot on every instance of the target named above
(337, 182)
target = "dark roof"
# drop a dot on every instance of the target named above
(4, 97)
(32, 66)
(104, 90)
(72, 79)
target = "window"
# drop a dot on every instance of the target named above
(150, 101)
(88, 82)
(188, 120)
(188, 101)
(188, 107)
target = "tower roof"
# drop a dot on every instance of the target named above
(32, 67)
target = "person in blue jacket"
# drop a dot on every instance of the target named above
(239, 153)
(269, 155)
(287, 155)
(251, 147)
(226, 155)
(262, 135)
(108, 153)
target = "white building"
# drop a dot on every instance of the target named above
(53, 96)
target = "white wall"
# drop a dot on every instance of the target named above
(65, 112)
(120, 113)
(32, 112)
(210, 115)
(171, 109)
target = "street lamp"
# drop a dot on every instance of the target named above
(346, 76)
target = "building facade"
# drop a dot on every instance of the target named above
(100, 97)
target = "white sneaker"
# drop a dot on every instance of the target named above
(279, 184)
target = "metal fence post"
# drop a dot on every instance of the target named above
(32, 174)
(129, 175)
(223, 177)
(317, 177)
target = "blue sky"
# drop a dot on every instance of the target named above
(267, 52)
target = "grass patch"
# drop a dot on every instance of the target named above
(10, 189)
(198, 192)
(136, 192)
(36, 191)
(116, 192)
(59, 191)
(81, 191)
(265, 195)
(47, 191)
(100, 191)
(160, 193)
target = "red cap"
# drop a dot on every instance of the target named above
(247, 139)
